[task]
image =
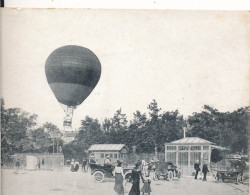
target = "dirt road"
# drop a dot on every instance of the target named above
(65, 182)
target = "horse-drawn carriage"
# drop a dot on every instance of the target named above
(100, 172)
(165, 170)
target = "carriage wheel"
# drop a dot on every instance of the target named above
(98, 176)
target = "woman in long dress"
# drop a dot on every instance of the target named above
(119, 176)
(136, 175)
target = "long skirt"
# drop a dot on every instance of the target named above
(72, 168)
(135, 189)
(119, 184)
(146, 188)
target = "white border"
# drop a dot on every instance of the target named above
(133, 4)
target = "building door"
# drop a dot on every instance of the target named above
(183, 162)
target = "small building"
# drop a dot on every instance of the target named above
(186, 151)
(115, 152)
(37, 161)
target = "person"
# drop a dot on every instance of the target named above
(72, 164)
(205, 171)
(136, 175)
(43, 163)
(84, 163)
(197, 168)
(146, 186)
(17, 166)
(145, 167)
(92, 159)
(76, 166)
(39, 164)
(107, 160)
(119, 177)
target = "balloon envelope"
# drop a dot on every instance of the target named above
(72, 73)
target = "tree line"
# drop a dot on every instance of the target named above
(20, 133)
(145, 132)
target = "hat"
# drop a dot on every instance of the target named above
(138, 163)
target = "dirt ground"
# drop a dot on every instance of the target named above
(65, 182)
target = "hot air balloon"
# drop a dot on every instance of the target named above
(72, 73)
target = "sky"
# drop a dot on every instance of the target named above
(182, 59)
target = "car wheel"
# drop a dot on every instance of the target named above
(98, 176)
(128, 177)
(156, 176)
(170, 175)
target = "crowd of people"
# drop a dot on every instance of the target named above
(74, 165)
(139, 173)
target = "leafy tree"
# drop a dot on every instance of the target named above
(90, 133)
(16, 125)
(106, 125)
(136, 129)
(41, 140)
(118, 128)
(153, 130)
(228, 129)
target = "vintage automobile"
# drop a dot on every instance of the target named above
(228, 174)
(166, 170)
(233, 172)
(100, 172)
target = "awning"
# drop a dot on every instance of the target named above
(219, 148)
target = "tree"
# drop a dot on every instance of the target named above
(90, 133)
(119, 121)
(153, 130)
(239, 124)
(135, 131)
(118, 128)
(45, 136)
(228, 129)
(171, 128)
(16, 125)
(106, 125)
(41, 140)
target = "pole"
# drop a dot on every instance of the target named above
(53, 145)
(56, 144)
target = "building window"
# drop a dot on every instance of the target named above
(171, 147)
(171, 157)
(195, 148)
(115, 155)
(111, 155)
(205, 147)
(102, 155)
(182, 147)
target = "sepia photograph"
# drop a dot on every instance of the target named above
(124, 101)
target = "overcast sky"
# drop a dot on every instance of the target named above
(183, 59)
